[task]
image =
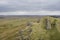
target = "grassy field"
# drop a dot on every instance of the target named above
(30, 28)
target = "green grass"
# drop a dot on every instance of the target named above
(9, 29)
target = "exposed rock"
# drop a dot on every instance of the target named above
(48, 24)
(29, 24)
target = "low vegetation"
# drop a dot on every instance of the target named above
(43, 28)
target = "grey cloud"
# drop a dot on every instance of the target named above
(29, 5)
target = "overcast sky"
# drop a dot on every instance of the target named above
(29, 7)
